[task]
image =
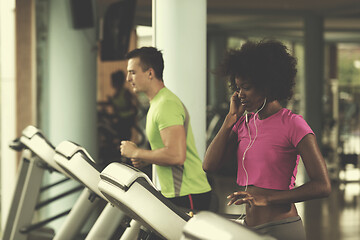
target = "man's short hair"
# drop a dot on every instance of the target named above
(150, 57)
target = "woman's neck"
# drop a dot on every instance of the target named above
(270, 109)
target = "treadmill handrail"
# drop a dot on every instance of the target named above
(163, 199)
(30, 131)
(123, 176)
(33, 139)
(68, 149)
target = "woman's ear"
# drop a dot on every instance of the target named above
(265, 93)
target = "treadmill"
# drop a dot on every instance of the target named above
(133, 192)
(211, 226)
(78, 163)
(37, 156)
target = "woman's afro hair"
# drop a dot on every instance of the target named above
(267, 65)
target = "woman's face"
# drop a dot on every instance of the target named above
(251, 98)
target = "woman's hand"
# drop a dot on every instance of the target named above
(242, 197)
(236, 108)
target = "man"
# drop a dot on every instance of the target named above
(178, 166)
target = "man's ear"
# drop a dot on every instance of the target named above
(151, 72)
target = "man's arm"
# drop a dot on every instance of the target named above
(173, 152)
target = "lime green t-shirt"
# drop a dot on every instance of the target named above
(167, 110)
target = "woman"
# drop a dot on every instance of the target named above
(268, 140)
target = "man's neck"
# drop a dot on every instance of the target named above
(155, 88)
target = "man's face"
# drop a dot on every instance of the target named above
(137, 78)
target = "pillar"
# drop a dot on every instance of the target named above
(69, 90)
(8, 104)
(314, 81)
(314, 73)
(180, 32)
(216, 86)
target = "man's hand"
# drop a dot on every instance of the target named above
(128, 149)
(138, 163)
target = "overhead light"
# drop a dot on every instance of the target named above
(357, 64)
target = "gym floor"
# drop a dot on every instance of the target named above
(334, 218)
(338, 216)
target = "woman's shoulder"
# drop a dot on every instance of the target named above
(292, 119)
(289, 115)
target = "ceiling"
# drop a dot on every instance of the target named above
(273, 18)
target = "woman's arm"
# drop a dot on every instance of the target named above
(224, 143)
(317, 187)
(222, 146)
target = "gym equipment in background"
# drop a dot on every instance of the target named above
(36, 158)
(78, 163)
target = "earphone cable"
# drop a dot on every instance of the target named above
(250, 144)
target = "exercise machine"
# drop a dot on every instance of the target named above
(78, 163)
(133, 192)
(211, 226)
(36, 158)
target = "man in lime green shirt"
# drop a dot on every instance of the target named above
(178, 166)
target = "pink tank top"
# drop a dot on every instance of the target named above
(272, 160)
